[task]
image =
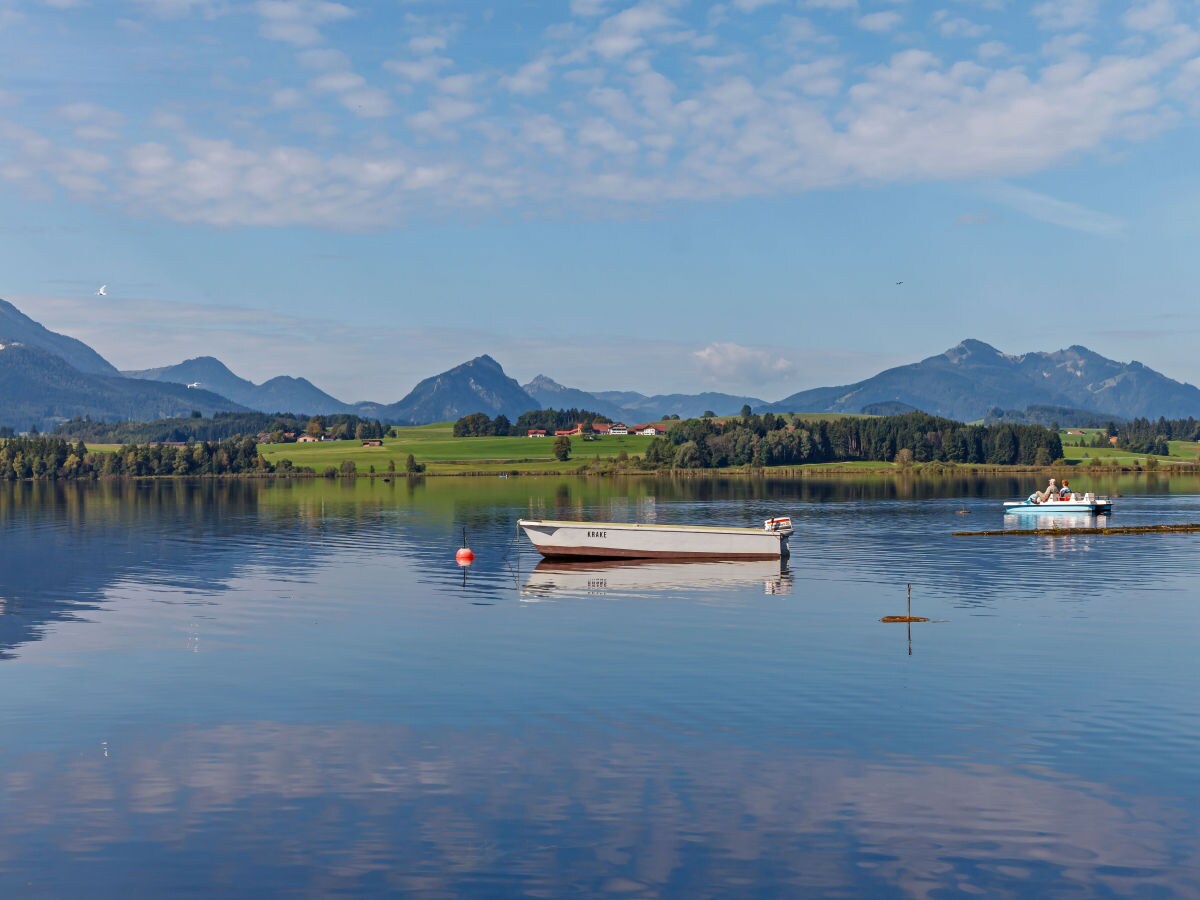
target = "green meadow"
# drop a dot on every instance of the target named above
(442, 453)
(1077, 451)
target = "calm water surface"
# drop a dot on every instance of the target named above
(252, 688)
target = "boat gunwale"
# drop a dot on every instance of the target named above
(646, 526)
(1062, 506)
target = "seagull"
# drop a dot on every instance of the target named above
(103, 292)
(194, 384)
(899, 282)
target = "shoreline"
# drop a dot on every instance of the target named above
(820, 470)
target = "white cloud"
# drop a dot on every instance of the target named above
(588, 118)
(323, 58)
(735, 363)
(367, 103)
(952, 26)
(531, 78)
(830, 4)
(880, 21)
(287, 98)
(425, 69)
(336, 82)
(1149, 15)
(1053, 211)
(749, 6)
(178, 9)
(992, 50)
(629, 29)
(589, 8)
(298, 21)
(92, 122)
(1060, 15)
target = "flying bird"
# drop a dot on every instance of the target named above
(899, 282)
(194, 384)
(103, 292)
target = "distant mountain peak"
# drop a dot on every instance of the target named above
(478, 385)
(16, 326)
(970, 348)
(544, 383)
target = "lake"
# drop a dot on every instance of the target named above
(250, 688)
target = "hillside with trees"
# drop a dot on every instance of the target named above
(219, 427)
(771, 440)
(1144, 436)
(50, 458)
(480, 425)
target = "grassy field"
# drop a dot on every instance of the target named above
(1076, 450)
(436, 447)
(442, 453)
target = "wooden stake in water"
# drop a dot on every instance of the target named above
(910, 619)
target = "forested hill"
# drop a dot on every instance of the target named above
(38, 388)
(771, 440)
(220, 427)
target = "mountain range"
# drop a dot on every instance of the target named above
(970, 380)
(46, 377)
(280, 394)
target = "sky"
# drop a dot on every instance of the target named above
(657, 196)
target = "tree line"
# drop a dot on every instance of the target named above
(220, 427)
(771, 440)
(1144, 436)
(54, 458)
(480, 425)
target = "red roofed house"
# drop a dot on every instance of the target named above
(649, 428)
(536, 432)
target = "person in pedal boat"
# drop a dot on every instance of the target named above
(1050, 493)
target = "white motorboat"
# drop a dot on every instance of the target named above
(1088, 504)
(632, 540)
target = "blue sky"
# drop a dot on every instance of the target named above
(659, 195)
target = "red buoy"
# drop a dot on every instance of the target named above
(465, 556)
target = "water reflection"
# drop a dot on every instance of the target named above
(1061, 521)
(369, 809)
(552, 578)
(290, 687)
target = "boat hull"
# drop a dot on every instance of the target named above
(1098, 507)
(625, 540)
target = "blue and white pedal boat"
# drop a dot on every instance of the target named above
(1088, 505)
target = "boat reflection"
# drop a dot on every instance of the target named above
(1065, 521)
(552, 578)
